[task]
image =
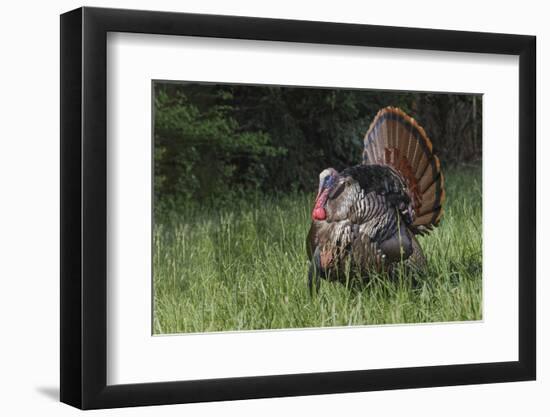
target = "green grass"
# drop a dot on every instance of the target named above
(244, 267)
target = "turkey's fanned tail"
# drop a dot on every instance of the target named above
(396, 139)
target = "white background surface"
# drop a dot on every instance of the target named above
(29, 109)
(134, 356)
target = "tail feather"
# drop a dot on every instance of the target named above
(396, 139)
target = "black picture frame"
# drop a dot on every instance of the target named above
(84, 207)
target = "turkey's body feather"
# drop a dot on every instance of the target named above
(366, 223)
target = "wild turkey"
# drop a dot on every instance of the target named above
(366, 217)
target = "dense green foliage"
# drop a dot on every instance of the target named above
(198, 151)
(243, 266)
(215, 143)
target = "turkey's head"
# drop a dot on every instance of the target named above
(327, 179)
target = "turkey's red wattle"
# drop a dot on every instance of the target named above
(319, 212)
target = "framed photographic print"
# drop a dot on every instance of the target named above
(257, 208)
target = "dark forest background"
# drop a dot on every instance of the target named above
(217, 142)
